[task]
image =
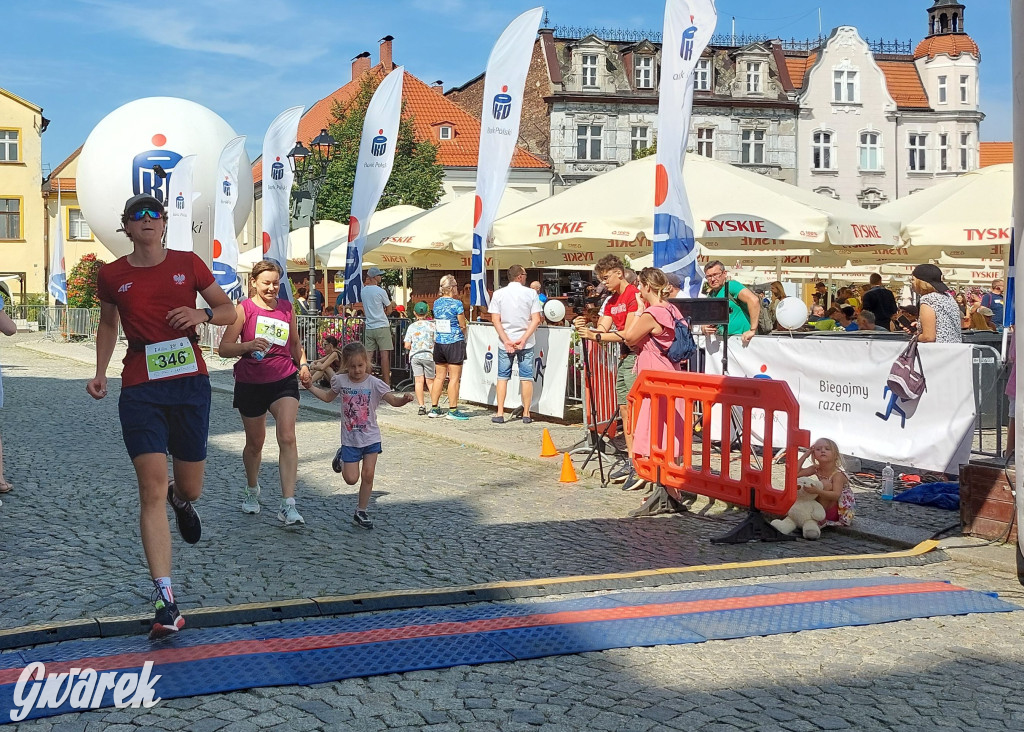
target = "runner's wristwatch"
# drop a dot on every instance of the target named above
(209, 314)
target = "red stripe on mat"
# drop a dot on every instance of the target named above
(379, 635)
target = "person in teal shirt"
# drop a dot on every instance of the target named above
(744, 305)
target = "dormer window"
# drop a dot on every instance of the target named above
(445, 132)
(702, 75)
(589, 70)
(755, 81)
(643, 72)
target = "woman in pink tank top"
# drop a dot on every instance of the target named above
(265, 339)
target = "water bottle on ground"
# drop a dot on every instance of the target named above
(888, 476)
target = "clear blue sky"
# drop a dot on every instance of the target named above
(249, 59)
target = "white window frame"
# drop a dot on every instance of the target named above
(865, 146)
(702, 79)
(706, 141)
(845, 86)
(943, 152)
(78, 227)
(917, 147)
(870, 198)
(827, 191)
(588, 69)
(643, 72)
(635, 138)
(587, 135)
(445, 132)
(965, 80)
(754, 77)
(943, 97)
(752, 146)
(823, 150)
(965, 151)
(10, 137)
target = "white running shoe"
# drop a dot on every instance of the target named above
(288, 515)
(251, 500)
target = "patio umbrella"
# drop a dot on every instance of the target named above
(966, 216)
(733, 208)
(298, 246)
(333, 252)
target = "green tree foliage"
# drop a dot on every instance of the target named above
(82, 282)
(416, 176)
(646, 151)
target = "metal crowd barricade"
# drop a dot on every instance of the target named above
(991, 405)
(662, 405)
(603, 359)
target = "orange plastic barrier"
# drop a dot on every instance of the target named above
(659, 394)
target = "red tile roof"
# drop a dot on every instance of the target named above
(66, 184)
(950, 44)
(797, 67)
(995, 153)
(904, 84)
(427, 107)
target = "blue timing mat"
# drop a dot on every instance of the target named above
(197, 662)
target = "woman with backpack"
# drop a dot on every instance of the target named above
(650, 336)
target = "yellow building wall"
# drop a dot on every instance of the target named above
(21, 179)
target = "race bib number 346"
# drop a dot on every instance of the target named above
(170, 358)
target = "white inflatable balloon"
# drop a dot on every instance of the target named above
(554, 310)
(791, 313)
(118, 159)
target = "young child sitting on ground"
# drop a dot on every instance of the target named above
(361, 394)
(419, 342)
(324, 368)
(835, 495)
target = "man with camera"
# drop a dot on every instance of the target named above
(618, 312)
(744, 305)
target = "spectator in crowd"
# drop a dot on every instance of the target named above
(324, 368)
(675, 285)
(301, 301)
(939, 320)
(515, 312)
(866, 321)
(817, 313)
(981, 319)
(744, 305)
(846, 317)
(536, 287)
(316, 298)
(617, 314)
(449, 349)
(377, 331)
(821, 295)
(827, 321)
(994, 301)
(8, 328)
(880, 301)
(419, 342)
(776, 294)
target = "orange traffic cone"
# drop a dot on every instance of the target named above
(568, 471)
(547, 446)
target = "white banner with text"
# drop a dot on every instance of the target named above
(840, 384)
(550, 370)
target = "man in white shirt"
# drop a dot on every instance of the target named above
(377, 331)
(515, 312)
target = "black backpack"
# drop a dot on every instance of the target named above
(683, 346)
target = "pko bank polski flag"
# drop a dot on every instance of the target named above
(277, 188)
(180, 195)
(504, 83)
(373, 168)
(689, 25)
(225, 245)
(58, 284)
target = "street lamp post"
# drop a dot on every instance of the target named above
(311, 175)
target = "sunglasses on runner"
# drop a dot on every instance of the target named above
(137, 215)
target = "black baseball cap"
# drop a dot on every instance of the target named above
(143, 200)
(932, 275)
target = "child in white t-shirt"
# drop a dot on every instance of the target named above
(419, 341)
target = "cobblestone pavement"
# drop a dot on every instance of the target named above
(448, 515)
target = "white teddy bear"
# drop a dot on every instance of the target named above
(806, 512)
